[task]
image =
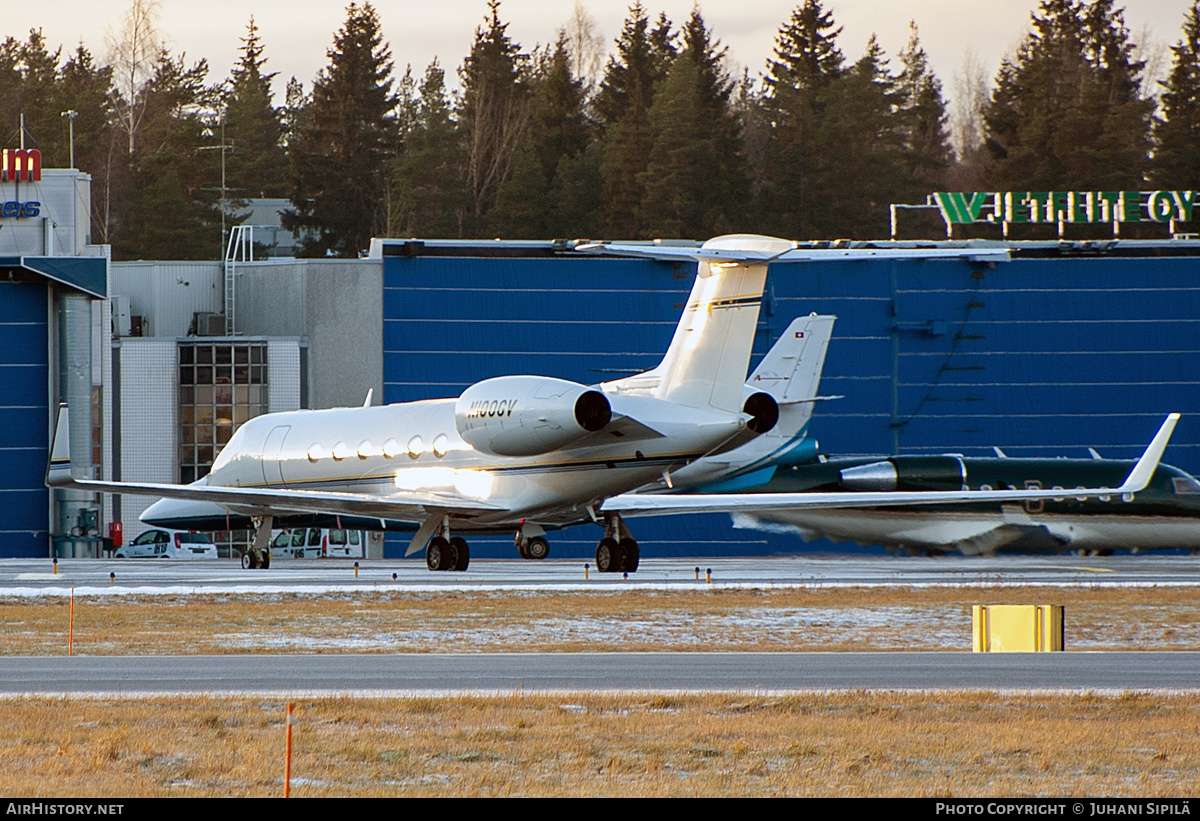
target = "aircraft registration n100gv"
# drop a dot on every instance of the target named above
(513, 453)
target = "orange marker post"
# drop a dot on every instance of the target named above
(287, 768)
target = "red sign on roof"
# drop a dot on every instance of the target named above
(20, 164)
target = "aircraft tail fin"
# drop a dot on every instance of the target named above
(791, 370)
(791, 373)
(705, 365)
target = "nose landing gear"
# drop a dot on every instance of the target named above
(531, 542)
(617, 551)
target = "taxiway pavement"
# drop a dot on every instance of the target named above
(409, 674)
(24, 577)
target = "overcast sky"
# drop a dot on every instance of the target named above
(297, 33)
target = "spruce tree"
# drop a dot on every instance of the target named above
(167, 213)
(87, 89)
(858, 155)
(39, 104)
(1068, 111)
(644, 55)
(10, 89)
(494, 113)
(257, 165)
(622, 106)
(695, 181)
(807, 62)
(530, 204)
(340, 157)
(429, 194)
(1176, 162)
(922, 122)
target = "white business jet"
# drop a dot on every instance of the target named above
(512, 453)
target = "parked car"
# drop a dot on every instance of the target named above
(317, 542)
(161, 543)
(297, 543)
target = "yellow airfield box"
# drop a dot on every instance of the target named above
(1017, 628)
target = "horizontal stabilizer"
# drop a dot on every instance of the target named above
(744, 256)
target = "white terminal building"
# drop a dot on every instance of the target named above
(150, 358)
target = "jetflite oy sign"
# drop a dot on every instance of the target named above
(1056, 207)
(20, 165)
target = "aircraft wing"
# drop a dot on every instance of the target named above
(969, 534)
(400, 505)
(637, 504)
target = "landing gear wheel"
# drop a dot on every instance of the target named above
(437, 554)
(610, 557)
(462, 554)
(522, 551)
(248, 562)
(537, 549)
(633, 555)
(265, 560)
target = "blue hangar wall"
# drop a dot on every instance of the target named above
(1046, 355)
(24, 406)
(31, 296)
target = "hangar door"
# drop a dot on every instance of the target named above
(24, 437)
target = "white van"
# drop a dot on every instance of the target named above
(317, 542)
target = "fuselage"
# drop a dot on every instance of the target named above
(1164, 515)
(414, 448)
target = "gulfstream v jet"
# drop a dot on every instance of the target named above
(519, 454)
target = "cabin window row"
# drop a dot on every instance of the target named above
(390, 450)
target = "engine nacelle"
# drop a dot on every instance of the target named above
(528, 415)
(907, 473)
(763, 411)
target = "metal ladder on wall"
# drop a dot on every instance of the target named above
(240, 249)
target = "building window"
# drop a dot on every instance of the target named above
(221, 385)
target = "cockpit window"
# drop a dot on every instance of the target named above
(1185, 485)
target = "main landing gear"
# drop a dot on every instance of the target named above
(617, 551)
(445, 552)
(258, 555)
